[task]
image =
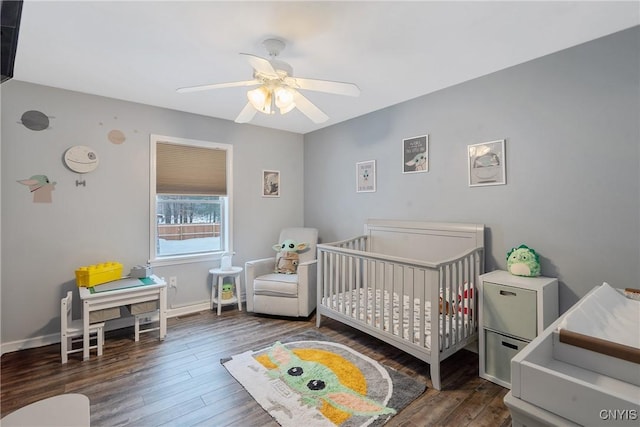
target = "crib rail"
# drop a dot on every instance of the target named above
(403, 300)
(458, 297)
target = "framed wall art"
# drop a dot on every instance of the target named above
(366, 176)
(487, 163)
(415, 154)
(270, 183)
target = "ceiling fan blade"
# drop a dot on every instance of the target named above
(246, 114)
(338, 88)
(261, 65)
(308, 109)
(217, 86)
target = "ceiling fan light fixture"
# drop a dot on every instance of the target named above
(284, 99)
(258, 97)
(261, 99)
(287, 109)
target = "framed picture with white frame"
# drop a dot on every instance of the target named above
(366, 176)
(487, 163)
(270, 183)
(415, 154)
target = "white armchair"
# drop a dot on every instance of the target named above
(291, 295)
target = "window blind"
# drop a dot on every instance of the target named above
(186, 169)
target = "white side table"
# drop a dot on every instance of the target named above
(216, 296)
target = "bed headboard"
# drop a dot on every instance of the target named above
(426, 241)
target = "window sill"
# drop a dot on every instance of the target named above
(186, 259)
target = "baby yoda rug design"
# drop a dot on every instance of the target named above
(316, 382)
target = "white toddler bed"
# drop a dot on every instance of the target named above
(401, 281)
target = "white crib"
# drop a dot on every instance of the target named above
(401, 281)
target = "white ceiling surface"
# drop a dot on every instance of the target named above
(142, 51)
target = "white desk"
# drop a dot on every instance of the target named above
(155, 290)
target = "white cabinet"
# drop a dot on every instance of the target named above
(513, 311)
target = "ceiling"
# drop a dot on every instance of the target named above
(142, 51)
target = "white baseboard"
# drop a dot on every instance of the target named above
(8, 347)
(188, 309)
(122, 322)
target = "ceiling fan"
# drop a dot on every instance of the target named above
(277, 88)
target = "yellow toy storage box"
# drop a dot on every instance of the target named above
(96, 274)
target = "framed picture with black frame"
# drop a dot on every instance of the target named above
(415, 154)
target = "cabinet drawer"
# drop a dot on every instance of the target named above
(509, 310)
(499, 350)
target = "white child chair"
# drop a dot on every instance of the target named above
(71, 331)
(146, 322)
(147, 317)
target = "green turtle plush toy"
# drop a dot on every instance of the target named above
(523, 261)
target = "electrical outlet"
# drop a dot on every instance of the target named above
(173, 282)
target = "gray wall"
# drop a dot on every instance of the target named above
(571, 124)
(43, 244)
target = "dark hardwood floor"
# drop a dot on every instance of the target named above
(180, 381)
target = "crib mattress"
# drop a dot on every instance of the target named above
(373, 308)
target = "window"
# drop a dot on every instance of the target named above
(190, 200)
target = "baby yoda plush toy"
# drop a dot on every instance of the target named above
(287, 259)
(227, 291)
(523, 261)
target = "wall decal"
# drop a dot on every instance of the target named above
(34, 120)
(41, 188)
(116, 136)
(81, 159)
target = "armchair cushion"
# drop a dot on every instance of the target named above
(277, 285)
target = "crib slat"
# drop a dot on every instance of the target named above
(374, 289)
(406, 303)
